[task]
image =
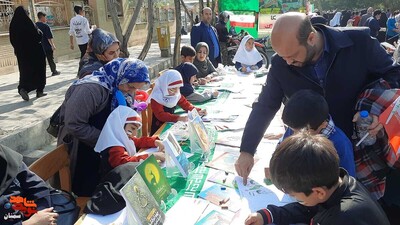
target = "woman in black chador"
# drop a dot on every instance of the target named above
(25, 37)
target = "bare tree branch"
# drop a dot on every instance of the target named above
(112, 10)
(187, 12)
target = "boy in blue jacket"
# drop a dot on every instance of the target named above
(307, 109)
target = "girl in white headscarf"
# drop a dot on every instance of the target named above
(335, 21)
(117, 142)
(165, 97)
(247, 58)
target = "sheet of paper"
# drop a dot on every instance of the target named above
(188, 210)
(117, 218)
(256, 195)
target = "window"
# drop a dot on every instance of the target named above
(6, 13)
(55, 11)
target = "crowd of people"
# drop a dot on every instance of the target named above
(318, 72)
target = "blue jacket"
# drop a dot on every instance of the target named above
(343, 147)
(391, 25)
(355, 60)
(198, 34)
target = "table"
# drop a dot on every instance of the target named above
(237, 103)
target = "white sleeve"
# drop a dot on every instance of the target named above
(71, 29)
(87, 27)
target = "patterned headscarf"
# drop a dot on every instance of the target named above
(116, 72)
(101, 40)
(167, 80)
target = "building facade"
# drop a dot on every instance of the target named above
(59, 13)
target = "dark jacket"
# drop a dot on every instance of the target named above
(223, 34)
(350, 204)
(17, 180)
(355, 60)
(198, 34)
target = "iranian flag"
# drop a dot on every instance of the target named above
(242, 20)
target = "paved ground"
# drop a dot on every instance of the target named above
(23, 124)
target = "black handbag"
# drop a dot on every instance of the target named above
(64, 204)
(55, 123)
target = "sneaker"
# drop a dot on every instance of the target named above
(40, 94)
(56, 73)
(24, 94)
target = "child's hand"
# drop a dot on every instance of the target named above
(159, 145)
(209, 77)
(254, 219)
(244, 69)
(202, 81)
(215, 94)
(159, 156)
(203, 112)
(45, 216)
(183, 118)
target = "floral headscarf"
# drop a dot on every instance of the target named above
(101, 40)
(116, 72)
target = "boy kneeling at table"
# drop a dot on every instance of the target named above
(306, 167)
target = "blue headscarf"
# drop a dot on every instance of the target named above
(187, 70)
(116, 72)
(101, 40)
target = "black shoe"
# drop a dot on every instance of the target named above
(40, 94)
(24, 94)
(56, 73)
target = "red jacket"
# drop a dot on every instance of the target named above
(118, 155)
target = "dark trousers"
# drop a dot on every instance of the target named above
(83, 48)
(50, 60)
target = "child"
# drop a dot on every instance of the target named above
(307, 109)
(117, 142)
(187, 54)
(306, 167)
(165, 97)
(247, 58)
(189, 72)
(203, 64)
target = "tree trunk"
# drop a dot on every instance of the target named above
(123, 38)
(208, 3)
(201, 6)
(150, 29)
(177, 44)
(213, 10)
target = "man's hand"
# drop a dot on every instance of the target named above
(243, 165)
(254, 219)
(375, 126)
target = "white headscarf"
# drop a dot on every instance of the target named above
(113, 133)
(169, 79)
(249, 58)
(335, 21)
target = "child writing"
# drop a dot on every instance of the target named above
(117, 142)
(203, 63)
(306, 167)
(165, 97)
(189, 72)
(247, 58)
(306, 109)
